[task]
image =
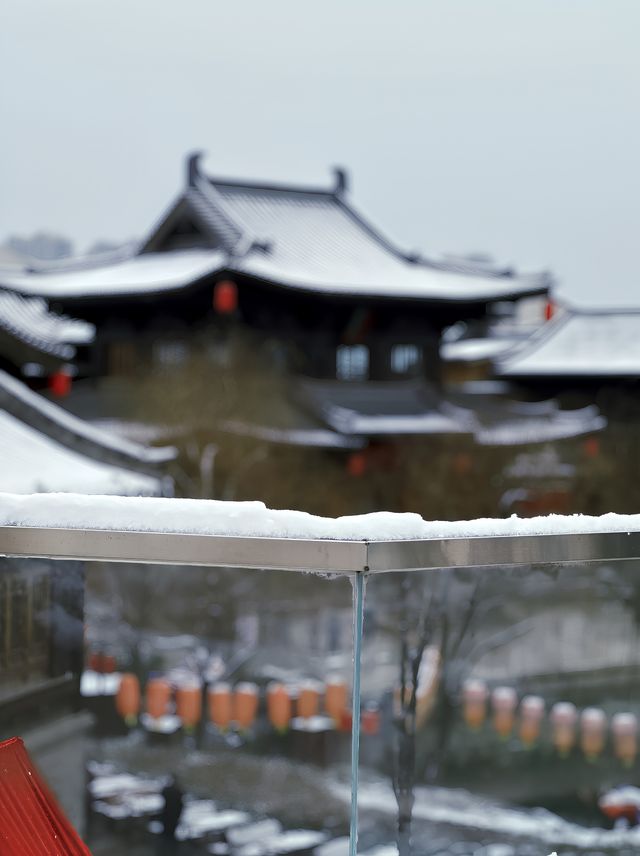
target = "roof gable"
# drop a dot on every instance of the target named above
(184, 226)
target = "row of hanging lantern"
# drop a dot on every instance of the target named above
(568, 728)
(238, 706)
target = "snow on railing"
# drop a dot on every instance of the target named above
(249, 535)
(254, 519)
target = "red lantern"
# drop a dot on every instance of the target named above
(462, 464)
(245, 705)
(60, 383)
(504, 701)
(593, 730)
(108, 664)
(370, 719)
(189, 704)
(128, 698)
(531, 714)
(279, 707)
(474, 700)
(158, 697)
(625, 737)
(591, 447)
(225, 297)
(549, 310)
(357, 464)
(346, 720)
(220, 704)
(335, 698)
(563, 718)
(309, 699)
(95, 661)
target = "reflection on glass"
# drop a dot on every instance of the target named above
(508, 703)
(218, 701)
(244, 704)
(41, 656)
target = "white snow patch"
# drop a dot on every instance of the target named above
(254, 519)
(580, 344)
(30, 461)
(462, 809)
(96, 684)
(102, 436)
(149, 272)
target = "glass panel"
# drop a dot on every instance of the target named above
(41, 653)
(516, 732)
(26, 624)
(235, 682)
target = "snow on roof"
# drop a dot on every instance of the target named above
(254, 519)
(373, 408)
(143, 274)
(31, 462)
(371, 425)
(293, 237)
(413, 407)
(30, 321)
(562, 425)
(60, 425)
(542, 464)
(580, 344)
(316, 240)
(476, 350)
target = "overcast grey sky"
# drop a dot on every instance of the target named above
(504, 126)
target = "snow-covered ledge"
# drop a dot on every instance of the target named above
(248, 534)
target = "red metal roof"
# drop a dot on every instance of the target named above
(31, 821)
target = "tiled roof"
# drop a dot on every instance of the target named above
(31, 462)
(580, 344)
(387, 409)
(44, 448)
(144, 274)
(29, 320)
(316, 240)
(302, 238)
(61, 427)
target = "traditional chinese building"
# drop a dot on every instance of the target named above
(580, 350)
(356, 321)
(297, 263)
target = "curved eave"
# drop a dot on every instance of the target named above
(354, 292)
(56, 352)
(319, 289)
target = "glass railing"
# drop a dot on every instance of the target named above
(493, 681)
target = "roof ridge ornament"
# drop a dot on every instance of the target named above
(341, 186)
(262, 245)
(193, 167)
